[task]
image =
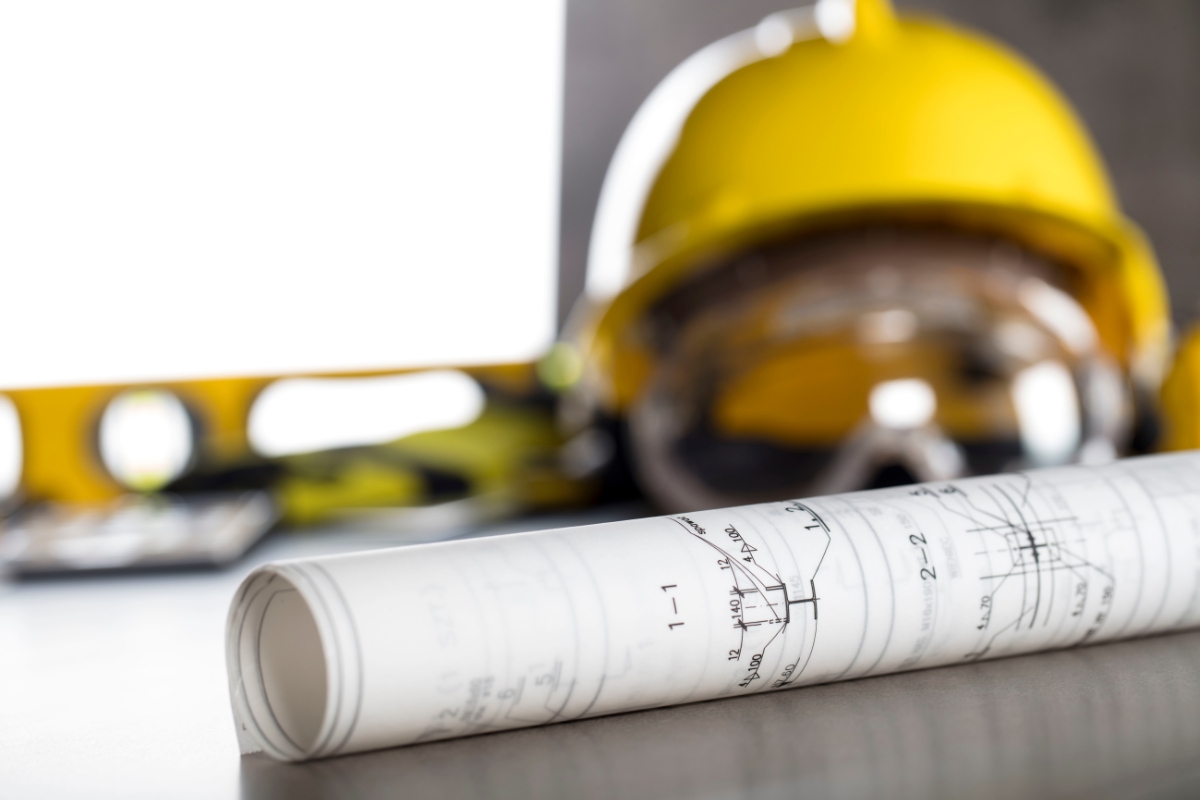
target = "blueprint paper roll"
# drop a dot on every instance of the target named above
(392, 647)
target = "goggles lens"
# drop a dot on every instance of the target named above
(867, 360)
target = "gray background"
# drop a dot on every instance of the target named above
(1131, 67)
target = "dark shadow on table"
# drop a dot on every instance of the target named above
(1119, 721)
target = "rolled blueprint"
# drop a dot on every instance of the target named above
(392, 647)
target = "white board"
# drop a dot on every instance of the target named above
(220, 188)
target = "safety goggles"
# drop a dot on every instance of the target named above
(870, 358)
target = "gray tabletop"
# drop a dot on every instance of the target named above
(115, 687)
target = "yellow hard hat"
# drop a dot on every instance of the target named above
(835, 120)
(845, 114)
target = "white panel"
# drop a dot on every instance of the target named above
(300, 415)
(12, 449)
(255, 186)
(146, 438)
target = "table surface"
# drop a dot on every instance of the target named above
(115, 687)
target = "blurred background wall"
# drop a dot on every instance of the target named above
(1130, 67)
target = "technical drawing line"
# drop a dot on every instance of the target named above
(1033, 545)
(1009, 525)
(812, 599)
(1028, 485)
(816, 517)
(1166, 542)
(891, 586)
(732, 559)
(604, 617)
(1137, 602)
(1017, 531)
